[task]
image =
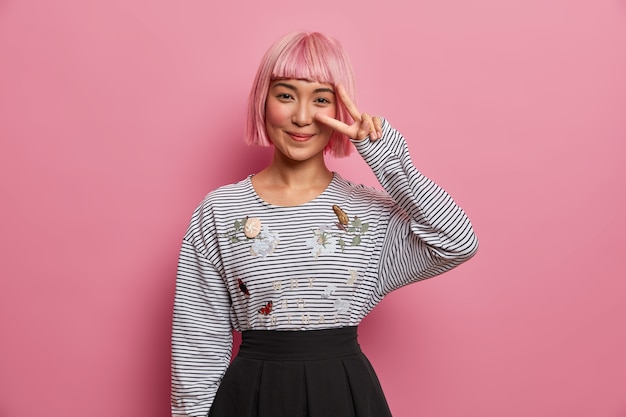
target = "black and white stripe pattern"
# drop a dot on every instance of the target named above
(305, 270)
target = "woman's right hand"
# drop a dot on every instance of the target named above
(364, 124)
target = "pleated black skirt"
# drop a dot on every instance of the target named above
(314, 373)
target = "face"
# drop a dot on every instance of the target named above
(289, 117)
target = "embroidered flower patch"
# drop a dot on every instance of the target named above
(323, 242)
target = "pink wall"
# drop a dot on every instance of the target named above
(117, 117)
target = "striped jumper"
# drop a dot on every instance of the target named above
(246, 264)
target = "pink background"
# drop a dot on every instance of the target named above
(117, 117)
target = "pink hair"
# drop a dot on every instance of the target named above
(304, 56)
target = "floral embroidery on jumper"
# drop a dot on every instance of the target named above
(264, 241)
(232, 234)
(342, 306)
(323, 242)
(355, 230)
(354, 276)
(329, 291)
(339, 304)
(325, 239)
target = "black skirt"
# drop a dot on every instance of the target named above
(314, 373)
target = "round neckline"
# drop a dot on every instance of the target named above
(252, 190)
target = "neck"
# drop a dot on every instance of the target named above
(289, 184)
(298, 174)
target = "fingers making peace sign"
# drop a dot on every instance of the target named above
(364, 125)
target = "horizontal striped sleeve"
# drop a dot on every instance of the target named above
(201, 333)
(428, 233)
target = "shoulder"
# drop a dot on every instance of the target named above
(226, 195)
(361, 192)
(222, 200)
(234, 191)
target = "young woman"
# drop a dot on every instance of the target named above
(296, 256)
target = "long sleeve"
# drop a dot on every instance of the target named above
(428, 233)
(201, 333)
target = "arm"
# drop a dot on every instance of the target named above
(428, 234)
(201, 333)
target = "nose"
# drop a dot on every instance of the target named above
(303, 115)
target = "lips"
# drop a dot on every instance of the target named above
(300, 137)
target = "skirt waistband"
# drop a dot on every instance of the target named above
(298, 345)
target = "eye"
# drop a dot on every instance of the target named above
(284, 96)
(322, 100)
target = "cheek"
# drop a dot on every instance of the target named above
(330, 111)
(275, 115)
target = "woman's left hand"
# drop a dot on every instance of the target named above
(364, 125)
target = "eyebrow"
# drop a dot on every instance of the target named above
(293, 88)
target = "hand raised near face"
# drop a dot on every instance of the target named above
(364, 125)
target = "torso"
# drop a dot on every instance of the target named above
(303, 269)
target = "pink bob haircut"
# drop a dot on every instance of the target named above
(303, 56)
